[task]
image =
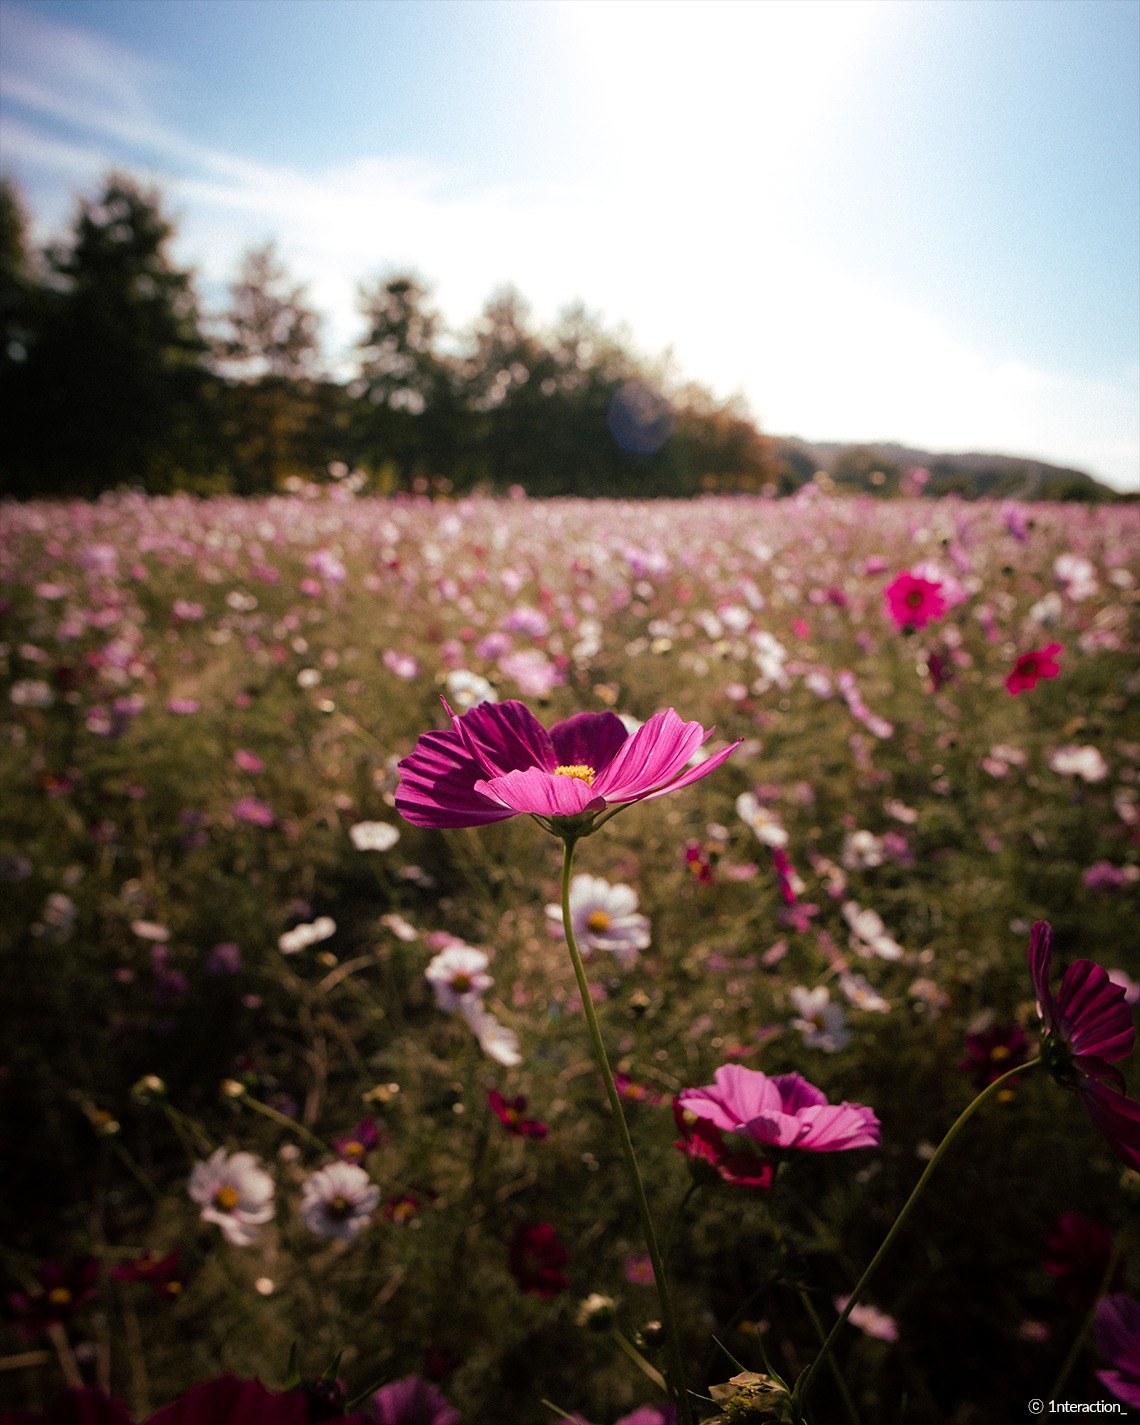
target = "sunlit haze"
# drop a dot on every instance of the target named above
(899, 221)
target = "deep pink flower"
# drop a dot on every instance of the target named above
(1084, 1031)
(412, 1401)
(1117, 1336)
(1077, 1253)
(993, 1052)
(710, 1157)
(253, 811)
(509, 1112)
(82, 1405)
(912, 602)
(165, 1274)
(64, 1287)
(363, 1138)
(536, 1259)
(781, 1112)
(1037, 663)
(497, 761)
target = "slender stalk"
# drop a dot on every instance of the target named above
(990, 1091)
(676, 1371)
(837, 1374)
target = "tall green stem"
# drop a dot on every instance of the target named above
(676, 1371)
(990, 1091)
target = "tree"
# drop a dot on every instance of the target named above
(412, 420)
(113, 387)
(268, 347)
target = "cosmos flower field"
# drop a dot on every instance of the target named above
(284, 1075)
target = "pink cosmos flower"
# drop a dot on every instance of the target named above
(913, 602)
(253, 811)
(1037, 663)
(781, 1112)
(497, 761)
(710, 1157)
(1117, 1336)
(510, 1111)
(536, 1258)
(1085, 1029)
(412, 1401)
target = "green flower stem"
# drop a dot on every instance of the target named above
(626, 1345)
(676, 1371)
(286, 1122)
(990, 1091)
(837, 1374)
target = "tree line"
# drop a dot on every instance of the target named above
(112, 375)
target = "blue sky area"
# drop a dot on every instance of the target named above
(877, 219)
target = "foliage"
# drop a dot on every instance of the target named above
(203, 700)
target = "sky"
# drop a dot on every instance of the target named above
(908, 220)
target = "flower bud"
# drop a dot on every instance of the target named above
(148, 1088)
(597, 1312)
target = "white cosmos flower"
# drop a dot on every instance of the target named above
(820, 1021)
(466, 690)
(302, 936)
(495, 1039)
(862, 995)
(605, 917)
(234, 1191)
(1085, 762)
(373, 835)
(458, 976)
(338, 1201)
(869, 934)
(764, 823)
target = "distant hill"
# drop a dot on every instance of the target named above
(884, 468)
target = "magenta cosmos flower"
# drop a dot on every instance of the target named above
(912, 601)
(1117, 1336)
(1029, 667)
(781, 1112)
(497, 760)
(1085, 1029)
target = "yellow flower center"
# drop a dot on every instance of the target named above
(59, 1296)
(353, 1150)
(461, 983)
(338, 1208)
(598, 920)
(226, 1198)
(583, 774)
(172, 1288)
(1000, 1052)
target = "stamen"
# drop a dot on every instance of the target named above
(583, 773)
(59, 1296)
(598, 920)
(226, 1198)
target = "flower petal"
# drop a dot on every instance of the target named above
(1094, 1013)
(1040, 960)
(1116, 1116)
(437, 785)
(539, 793)
(505, 737)
(653, 755)
(588, 740)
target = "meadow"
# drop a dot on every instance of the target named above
(218, 932)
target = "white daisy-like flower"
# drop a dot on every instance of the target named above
(820, 1021)
(862, 995)
(373, 835)
(338, 1201)
(1085, 762)
(764, 823)
(234, 1191)
(605, 917)
(862, 849)
(467, 690)
(495, 1039)
(302, 936)
(870, 1320)
(869, 934)
(458, 975)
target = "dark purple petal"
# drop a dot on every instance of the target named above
(796, 1093)
(437, 785)
(1040, 960)
(1093, 1013)
(505, 737)
(1116, 1116)
(1117, 1336)
(79, 1406)
(412, 1401)
(588, 740)
(230, 1401)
